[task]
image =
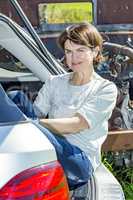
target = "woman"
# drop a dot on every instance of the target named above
(78, 104)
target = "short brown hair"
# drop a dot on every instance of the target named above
(83, 34)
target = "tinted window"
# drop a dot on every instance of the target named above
(11, 63)
(9, 111)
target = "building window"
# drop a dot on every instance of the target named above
(60, 13)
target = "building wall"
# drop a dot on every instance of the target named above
(30, 8)
(114, 11)
(105, 11)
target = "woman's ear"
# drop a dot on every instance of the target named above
(97, 55)
(96, 51)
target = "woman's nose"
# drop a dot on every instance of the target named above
(74, 56)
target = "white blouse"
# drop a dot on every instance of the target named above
(94, 101)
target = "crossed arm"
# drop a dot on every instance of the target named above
(65, 125)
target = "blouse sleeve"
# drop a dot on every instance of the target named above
(99, 107)
(42, 102)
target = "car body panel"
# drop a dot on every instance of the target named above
(106, 185)
(22, 146)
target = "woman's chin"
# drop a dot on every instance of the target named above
(75, 68)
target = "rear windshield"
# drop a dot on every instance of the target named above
(9, 112)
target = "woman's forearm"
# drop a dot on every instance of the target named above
(65, 125)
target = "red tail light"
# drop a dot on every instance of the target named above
(45, 182)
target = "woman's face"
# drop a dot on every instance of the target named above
(79, 58)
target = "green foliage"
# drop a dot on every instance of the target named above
(123, 174)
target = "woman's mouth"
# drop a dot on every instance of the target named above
(76, 64)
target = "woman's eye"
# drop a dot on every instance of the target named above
(81, 50)
(67, 51)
